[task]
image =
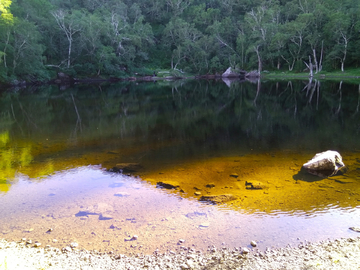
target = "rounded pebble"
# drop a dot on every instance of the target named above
(336, 255)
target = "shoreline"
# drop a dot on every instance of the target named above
(330, 254)
(66, 80)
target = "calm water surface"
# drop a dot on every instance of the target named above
(58, 149)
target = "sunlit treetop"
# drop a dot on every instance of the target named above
(4, 11)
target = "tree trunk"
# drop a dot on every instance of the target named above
(259, 58)
(346, 40)
(321, 56)
(5, 48)
(69, 52)
(315, 62)
(310, 67)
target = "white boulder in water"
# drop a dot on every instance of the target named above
(325, 161)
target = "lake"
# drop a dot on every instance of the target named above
(61, 151)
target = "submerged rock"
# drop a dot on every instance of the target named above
(122, 194)
(255, 185)
(127, 167)
(222, 198)
(105, 217)
(168, 184)
(193, 215)
(325, 164)
(103, 210)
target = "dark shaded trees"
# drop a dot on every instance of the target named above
(98, 37)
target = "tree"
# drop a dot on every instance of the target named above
(111, 37)
(6, 15)
(7, 18)
(264, 22)
(178, 6)
(128, 34)
(341, 28)
(69, 22)
(91, 39)
(296, 31)
(27, 49)
(183, 38)
(224, 34)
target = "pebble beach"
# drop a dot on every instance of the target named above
(330, 254)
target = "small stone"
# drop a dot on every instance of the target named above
(128, 239)
(66, 249)
(135, 237)
(114, 227)
(355, 229)
(245, 251)
(235, 175)
(74, 245)
(197, 193)
(181, 241)
(49, 230)
(117, 184)
(204, 225)
(210, 185)
(29, 242)
(190, 263)
(344, 181)
(253, 243)
(255, 185)
(184, 266)
(122, 194)
(37, 244)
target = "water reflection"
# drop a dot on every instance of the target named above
(209, 138)
(11, 158)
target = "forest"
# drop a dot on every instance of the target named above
(102, 38)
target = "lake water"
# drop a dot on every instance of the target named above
(58, 149)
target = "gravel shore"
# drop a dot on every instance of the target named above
(337, 254)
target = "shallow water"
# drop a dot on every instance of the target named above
(56, 160)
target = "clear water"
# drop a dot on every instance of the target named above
(58, 147)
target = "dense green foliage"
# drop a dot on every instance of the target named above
(121, 37)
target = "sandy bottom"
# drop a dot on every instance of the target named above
(111, 212)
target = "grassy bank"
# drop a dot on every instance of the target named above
(350, 75)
